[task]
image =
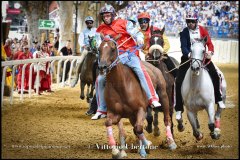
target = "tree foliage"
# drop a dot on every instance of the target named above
(36, 10)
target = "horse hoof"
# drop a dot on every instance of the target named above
(171, 144)
(123, 154)
(148, 129)
(214, 135)
(156, 132)
(199, 137)
(116, 154)
(143, 157)
(82, 97)
(180, 127)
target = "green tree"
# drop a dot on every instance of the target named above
(34, 11)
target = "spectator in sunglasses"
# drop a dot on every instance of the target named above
(188, 36)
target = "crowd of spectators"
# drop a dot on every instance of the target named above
(15, 49)
(219, 17)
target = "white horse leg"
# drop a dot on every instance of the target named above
(197, 122)
(122, 138)
(192, 119)
(211, 114)
(217, 117)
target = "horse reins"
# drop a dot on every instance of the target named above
(178, 66)
(185, 63)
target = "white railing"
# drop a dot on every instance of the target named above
(35, 62)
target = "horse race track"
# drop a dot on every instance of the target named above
(54, 125)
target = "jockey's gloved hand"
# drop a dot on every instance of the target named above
(140, 42)
(209, 54)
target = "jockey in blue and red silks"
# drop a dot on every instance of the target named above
(115, 27)
(191, 33)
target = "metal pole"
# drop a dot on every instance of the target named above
(48, 19)
(96, 14)
(75, 39)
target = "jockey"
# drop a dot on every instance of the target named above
(187, 37)
(143, 20)
(83, 41)
(112, 27)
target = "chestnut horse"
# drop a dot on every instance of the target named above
(126, 99)
(157, 59)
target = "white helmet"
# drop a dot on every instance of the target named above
(89, 18)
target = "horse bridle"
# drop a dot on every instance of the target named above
(154, 50)
(118, 59)
(107, 69)
(199, 62)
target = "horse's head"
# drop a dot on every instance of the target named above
(108, 53)
(156, 44)
(198, 56)
(92, 44)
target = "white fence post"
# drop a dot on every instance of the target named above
(34, 62)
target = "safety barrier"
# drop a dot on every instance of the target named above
(225, 50)
(35, 62)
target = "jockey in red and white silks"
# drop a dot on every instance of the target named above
(191, 33)
(115, 27)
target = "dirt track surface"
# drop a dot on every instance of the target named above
(54, 125)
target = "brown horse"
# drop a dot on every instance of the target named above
(86, 71)
(126, 99)
(157, 59)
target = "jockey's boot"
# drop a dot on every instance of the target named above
(180, 121)
(93, 107)
(155, 104)
(178, 115)
(98, 115)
